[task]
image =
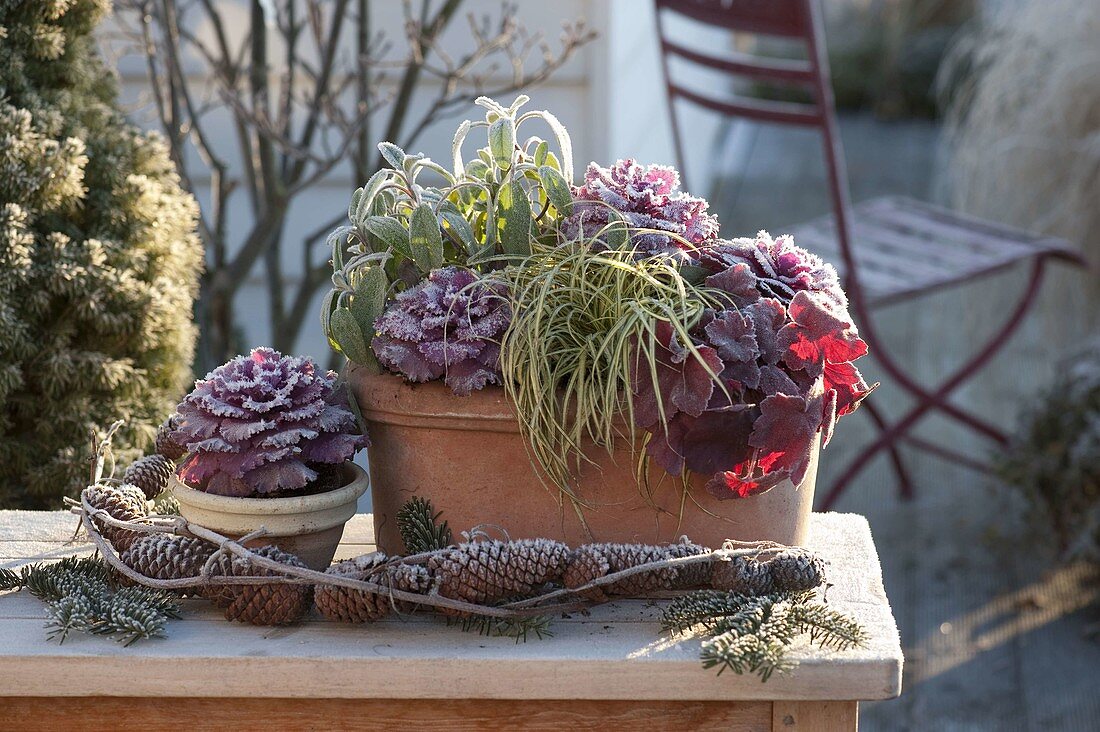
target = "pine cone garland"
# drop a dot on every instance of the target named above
(273, 604)
(151, 474)
(166, 444)
(167, 556)
(743, 575)
(346, 605)
(488, 571)
(125, 503)
(690, 575)
(796, 570)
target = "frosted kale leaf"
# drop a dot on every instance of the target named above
(781, 268)
(647, 197)
(448, 326)
(262, 424)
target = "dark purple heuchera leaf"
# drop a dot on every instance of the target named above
(256, 425)
(783, 436)
(817, 334)
(738, 282)
(647, 197)
(685, 385)
(448, 326)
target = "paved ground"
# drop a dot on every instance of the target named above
(994, 638)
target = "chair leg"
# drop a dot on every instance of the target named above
(905, 485)
(928, 400)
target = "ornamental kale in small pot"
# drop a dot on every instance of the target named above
(510, 330)
(269, 441)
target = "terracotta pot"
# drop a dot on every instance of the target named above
(309, 527)
(467, 456)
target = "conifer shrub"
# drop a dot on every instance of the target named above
(99, 259)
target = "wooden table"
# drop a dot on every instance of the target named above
(609, 669)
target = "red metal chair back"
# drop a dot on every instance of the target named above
(798, 20)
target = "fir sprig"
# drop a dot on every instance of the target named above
(82, 595)
(752, 634)
(420, 528)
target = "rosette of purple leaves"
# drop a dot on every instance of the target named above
(262, 424)
(646, 197)
(782, 348)
(448, 326)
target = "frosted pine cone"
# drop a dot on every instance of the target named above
(272, 604)
(167, 556)
(690, 575)
(353, 606)
(487, 571)
(151, 474)
(796, 570)
(588, 559)
(125, 503)
(166, 444)
(743, 575)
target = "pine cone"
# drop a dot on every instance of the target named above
(150, 474)
(588, 561)
(167, 556)
(166, 445)
(743, 575)
(488, 571)
(125, 503)
(691, 575)
(273, 604)
(354, 606)
(796, 570)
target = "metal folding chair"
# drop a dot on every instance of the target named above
(887, 249)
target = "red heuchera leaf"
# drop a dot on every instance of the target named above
(730, 484)
(685, 385)
(816, 335)
(845, 380)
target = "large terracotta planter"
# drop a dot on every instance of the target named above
(309, 527)
(467, 456)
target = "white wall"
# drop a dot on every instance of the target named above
(610, 96)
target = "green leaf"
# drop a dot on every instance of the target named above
(616, 234)
(326, 316)
(502, 141)
(557, 190)
(425, 241)
(370, 298)
(541, 151)
(346, 333)
(394, 155)
(514, 219)
(456, 145)
(391, 232)
(460, 226)
(564, 143)
(694, 274)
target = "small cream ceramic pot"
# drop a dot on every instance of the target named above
(309, 527)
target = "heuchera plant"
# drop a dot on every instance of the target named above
(743, 349)
(264, 424)
(782, 347)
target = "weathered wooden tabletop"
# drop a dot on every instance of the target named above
(615, 652)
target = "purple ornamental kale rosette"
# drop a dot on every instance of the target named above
(783, 347)
(447, 327)
(647, 197)
(260, 425)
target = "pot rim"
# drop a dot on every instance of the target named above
(357, 483)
